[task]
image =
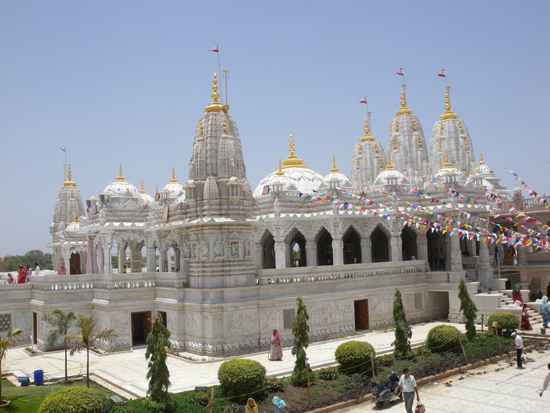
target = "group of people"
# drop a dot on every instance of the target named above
(23, 275)
(518, 303)
(280, 405)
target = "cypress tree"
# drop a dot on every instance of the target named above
(403, 333)
(300, 331)
(159, 375)
(468, 308)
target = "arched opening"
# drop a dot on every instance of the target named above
(268, 251)
(352, 247)
(74, 263)
(436, 250)
(297, 246)
(380, 248)
(324, 248)
(408, 244)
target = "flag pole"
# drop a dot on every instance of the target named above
(65, 166)
(220, 72)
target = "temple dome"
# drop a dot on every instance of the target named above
(121, 187)
(390, 177)
(335, 179)
(73, 227)
(173, 188)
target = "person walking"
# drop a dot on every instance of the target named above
(546, 382)
(525, 324)
(408, 384)
(518, 344)
(36, 269)
(441, 259)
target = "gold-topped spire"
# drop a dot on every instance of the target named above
(279, 170)
(120, 177)
(69, 181)
(389, 166)
(448, 112)
(292, 161)
(334, 168)
(76, 220)
(438, 163)
(174, 180)
(367, 136)
(200, 127)
(142, 190)
(215, 106)
(481, 162)
(404, 108)
(156, 189)
(447, 164)
(224, 125)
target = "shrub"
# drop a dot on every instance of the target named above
(385, 361)
(198, 399)
(354, 357)
(241, 376)
(274, 385)
(507, 323)
(443, 338)
(328, 373)
(72, 399)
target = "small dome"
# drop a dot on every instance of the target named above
(173, 188)
(190, 183)
(121, 187)
(390, 176)
(147, 199)
(233, 180)
(335, 179)
(295, 179)
(73, 227)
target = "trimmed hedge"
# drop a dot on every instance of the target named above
(443, 338)
(354, 357)
(72, 400)
(241, 376)
(507, 323)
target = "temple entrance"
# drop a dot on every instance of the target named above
(324, 248)
(352, 247)
(380, 249)
(408, 244)
(297, 244)
(268, 251)
(141, 327)
(436, 250)
(34, 328)
(361, 314)
(74, 263)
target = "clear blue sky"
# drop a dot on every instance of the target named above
(126, 81)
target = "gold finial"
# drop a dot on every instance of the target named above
(156, 189)
(389, 166)
(396, 125)
(334, 168)
(292, 161)
(459, 166)
(447, 164)
(404, 108)
(441, 127)
(448, 113)
(414, 124)
(367, 136)
(360, 149)
(76, 220)
(120, 177)
(69, 181)
(438, 163)
(381, 164)
(420, 141)
(376, 147)
(173, 180)
(72, 194)
(200, 127)
(467, 143)
(460, 126)
(357, 163)
(439, 145)
(481, 162)
(280, 171)
(394, 143)
(224, 125)
(215, 106)
(142, 190)
(60, 194)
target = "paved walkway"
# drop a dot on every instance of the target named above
(128, 370)
(506, 391)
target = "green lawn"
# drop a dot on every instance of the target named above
(37, 394)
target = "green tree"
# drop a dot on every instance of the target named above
(61, 324)
(300, 331)
(158, 341)
(403, 333)
(468, 308)
(87, 337)
(4, 345)
(11, 263)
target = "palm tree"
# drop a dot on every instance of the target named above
(61, 324)
(87, 337)
(4, 345)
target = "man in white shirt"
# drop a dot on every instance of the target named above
(408, 383)
(37, 269)
(518, 344)
(546, 382)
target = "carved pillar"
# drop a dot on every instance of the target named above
(177, 259)
(182, 260)
(280, 254)
(395, 243)
(66, 254)
(456, 256)
(311, 254)
(366, 250)
(422, 244)
(151, 259)
(121, 254)
(164, 265)
(107, 267)
(257, 254)
(484, 259)
(522, 257)
(94, 257)
(289, 256)
(337, 252)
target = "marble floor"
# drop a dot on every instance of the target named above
(128, 370)
(490, 391)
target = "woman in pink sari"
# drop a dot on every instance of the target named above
(276, 351)
(62, 270)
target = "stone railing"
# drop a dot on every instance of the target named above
(333, 272)
(528, 204)
(537, 258)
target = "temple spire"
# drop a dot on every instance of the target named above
(404, 108)
(389, 166)
(447, 164)
(279, 170)
(367, 136)
(120, 177)
(142, 190)
(334, 168)
(292, 161)
(69, 181)
(448, 112)
(173, 180)
(215, 106)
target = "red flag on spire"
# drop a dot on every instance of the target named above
(63, 149)
(399, 72)
(364, 101)
(214, 49)
(442, 74)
